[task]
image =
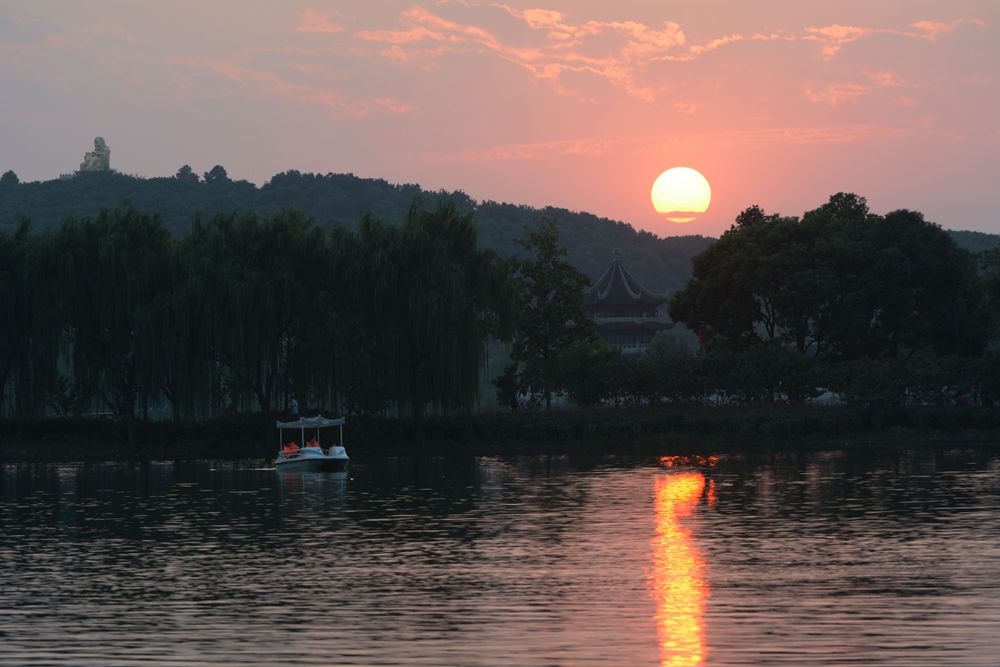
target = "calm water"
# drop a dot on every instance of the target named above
(830, 558)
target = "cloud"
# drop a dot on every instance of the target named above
(415, 34)
(931, 30)
(528, 151)
(618, 52)
(636, 145)
(558, 47)
(886, 79)
(270, 83)
(689, 108)
(836, 93)
(310, 21)
(834, 37)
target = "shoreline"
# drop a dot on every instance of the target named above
(623, 432)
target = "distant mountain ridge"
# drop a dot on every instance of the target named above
(661, 264)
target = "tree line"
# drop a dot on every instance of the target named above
(113, 314)
(338, 200)
(878, 311)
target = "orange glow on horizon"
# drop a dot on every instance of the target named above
(678, 581)
(681, 193)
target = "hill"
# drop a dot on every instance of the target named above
(975, 241)
(662, 264)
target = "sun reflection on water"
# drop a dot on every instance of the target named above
(678, 581)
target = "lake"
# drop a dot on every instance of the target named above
(888, 557)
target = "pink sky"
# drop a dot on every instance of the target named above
(578, 104)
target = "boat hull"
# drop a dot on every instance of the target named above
(313, 458)
(312, 464)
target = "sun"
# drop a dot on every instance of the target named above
(681, 193)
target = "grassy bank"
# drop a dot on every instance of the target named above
(619, 430)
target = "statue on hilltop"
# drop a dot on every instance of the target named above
(98, 159)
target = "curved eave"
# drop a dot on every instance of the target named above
(617, 287)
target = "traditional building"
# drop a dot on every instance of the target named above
(627, 314)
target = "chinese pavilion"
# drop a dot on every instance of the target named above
(627, 314)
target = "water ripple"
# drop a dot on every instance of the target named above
(829, 558)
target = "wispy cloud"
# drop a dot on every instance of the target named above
(310, 21)
(834, 37)
(272, 84)
(528, 151)
(600, 146)
(619, 52)
(886, 79)
(931, 30)
(836, 94)
(559, 48)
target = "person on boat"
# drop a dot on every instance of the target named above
(291, 449)
(312, 443)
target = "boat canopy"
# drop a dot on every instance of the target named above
(312, 422)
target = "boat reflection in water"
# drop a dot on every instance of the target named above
(678, 580)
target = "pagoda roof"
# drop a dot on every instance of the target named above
(618, 287)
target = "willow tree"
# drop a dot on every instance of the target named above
(454, 295)
(369, 338)
(13, 332)
(256, 276)
(422, 299)
(29, 328)
(111, 271)
(179, 332)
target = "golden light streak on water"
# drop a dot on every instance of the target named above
(690, 460)
(678, 581)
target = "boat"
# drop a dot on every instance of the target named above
(310, 456)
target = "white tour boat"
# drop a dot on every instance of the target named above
(310, 455)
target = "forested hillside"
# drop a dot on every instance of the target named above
(339, 200)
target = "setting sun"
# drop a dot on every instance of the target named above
(681, 193)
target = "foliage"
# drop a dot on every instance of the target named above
(33, 332)
(391, 317)
(508, 387)
(670, 362)
(111, 271)
(244, 311)
(989, 272)
(589, 370)
(427, 296)
(742, 290)
(841, 283)
(339, 200)
(186, 174)
(550, 313)
(215, 175)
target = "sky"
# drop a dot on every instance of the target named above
(572, 103)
